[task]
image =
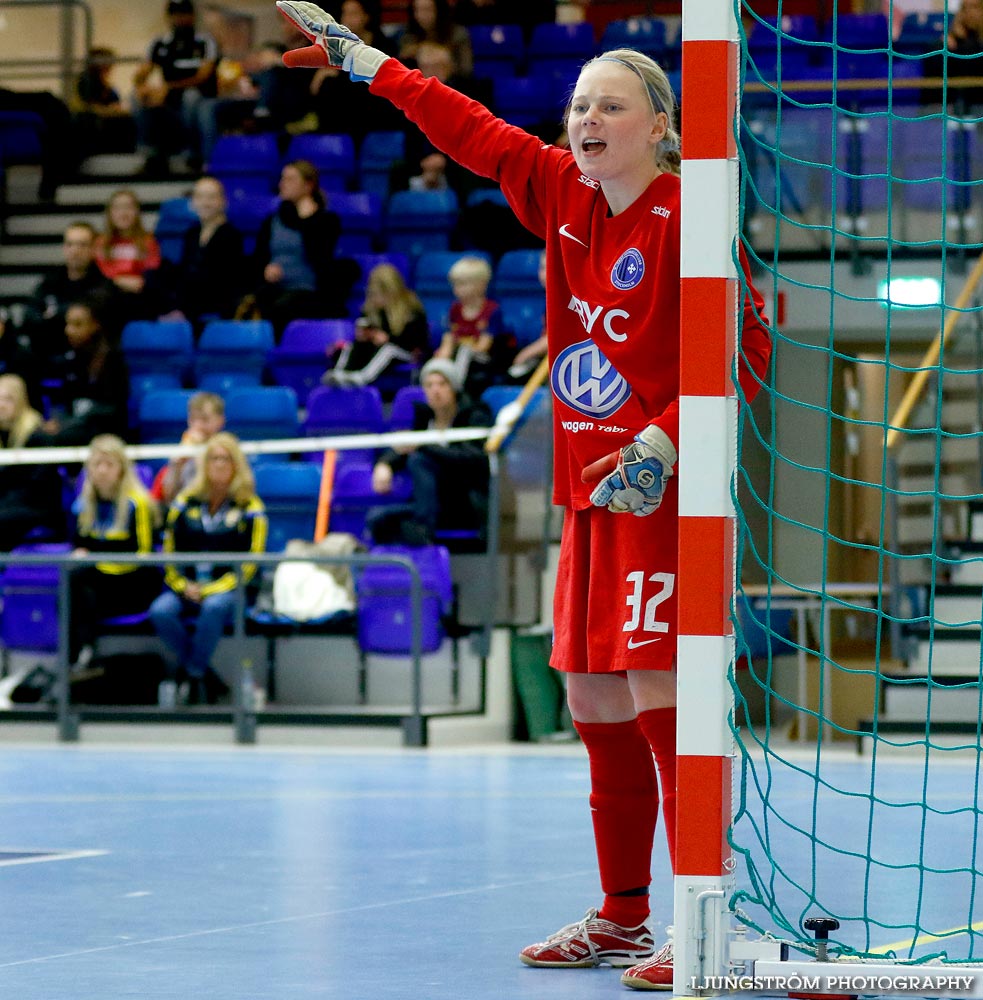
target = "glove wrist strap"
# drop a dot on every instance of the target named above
(657, 439)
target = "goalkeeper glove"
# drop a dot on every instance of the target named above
(334, 44)
(634, 478)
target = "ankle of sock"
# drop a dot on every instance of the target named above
(626, 909)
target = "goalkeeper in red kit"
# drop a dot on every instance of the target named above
(609, 211)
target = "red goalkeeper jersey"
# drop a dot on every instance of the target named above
(612, 284)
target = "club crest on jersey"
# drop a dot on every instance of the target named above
(628, 271)
(584, 379)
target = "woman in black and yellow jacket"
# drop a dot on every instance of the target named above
(113, 514)
(218, 512)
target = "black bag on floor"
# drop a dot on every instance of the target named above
(119, 679)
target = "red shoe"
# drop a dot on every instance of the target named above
(591, 942)
(655, 974)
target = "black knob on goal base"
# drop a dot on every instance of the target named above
(821, 926)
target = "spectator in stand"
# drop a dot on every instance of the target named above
(335, 108)
(295, 253)
(18, 357)
(206, 417)
(433, 21)
(476, 340)
(103, 123)
(95, 385)
(180, 69)
(30, 495)
(450, 482)
(392, 330)
(113, 514)
(78, 278)
(130, 257)
(208, 279)
(59, 152)
(424, 166)
(218, 512)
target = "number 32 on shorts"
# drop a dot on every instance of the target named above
(645, 594)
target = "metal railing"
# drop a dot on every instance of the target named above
(66, 65)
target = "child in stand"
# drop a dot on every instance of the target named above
(475, 334)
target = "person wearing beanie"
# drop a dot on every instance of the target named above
(450, 482)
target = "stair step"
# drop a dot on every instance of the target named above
(148, 192)
(20, 285)
(31, 255)
(112, 165)
(952, 653)
(53, 225)
(948, 704)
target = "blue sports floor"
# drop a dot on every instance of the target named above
(260, 874)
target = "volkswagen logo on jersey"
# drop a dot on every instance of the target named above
(627, 273)
(584, 379)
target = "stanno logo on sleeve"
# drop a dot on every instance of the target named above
(584, 379)
(628, 271)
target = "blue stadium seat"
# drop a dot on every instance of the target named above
(479, 196)
(367, 261)
(858, 31)
(524, 317)
(173, 221)
(361, 220)
(333, 155)
(303, 354)
(341, 410)
(163, 415)
(268, 411)
(564, 43)
(420, 220)
(248, 211)
(401, 411)
(384, 607)
(437, 307)
(922, 32)
(158, 346)
(143, 383)
(20, 137)
(29, 594)
(238, 155)
(379, 153)
(518, 273)
(353, 497)
(430, 273)
(289, 491)
(498, 49)
(525, 101)
(647, 34)
(222, 383)
(229, 345)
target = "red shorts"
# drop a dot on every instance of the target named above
(615, 603)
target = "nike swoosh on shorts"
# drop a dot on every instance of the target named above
(632, 644)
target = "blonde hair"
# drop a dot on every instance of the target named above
(661, 99)
(470, 269)
(210, 402)
(401, 303)
(26, 419)
(242, 489)
(110, 446)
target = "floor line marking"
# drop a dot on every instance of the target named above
(297, 918)
(925, 939)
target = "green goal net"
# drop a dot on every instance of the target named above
(859, 614)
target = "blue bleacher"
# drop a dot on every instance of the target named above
(262, 412)
(156, 346)
(289, 491)
(175, 218)
(418, 221)
(430, 273)
(379, 153)
(361, 220)
(498, 49)
(303, 354)
(163, 415)
(228, 345)
(333, 155)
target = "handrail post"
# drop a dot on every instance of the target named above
(68, 721)
(414, 726)
(898, 649)
(243, 703)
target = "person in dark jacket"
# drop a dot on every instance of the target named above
(113, 514)
(295, 253)
(209, 276)
(95, 385)
(76, 279)
(450, 482)
(30, 495)
(218, 512)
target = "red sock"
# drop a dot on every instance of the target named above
(659, 727)
(624, 802)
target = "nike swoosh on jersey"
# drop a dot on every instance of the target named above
(570, 236)
(632, 644)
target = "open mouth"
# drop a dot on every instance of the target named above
(593, 145)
